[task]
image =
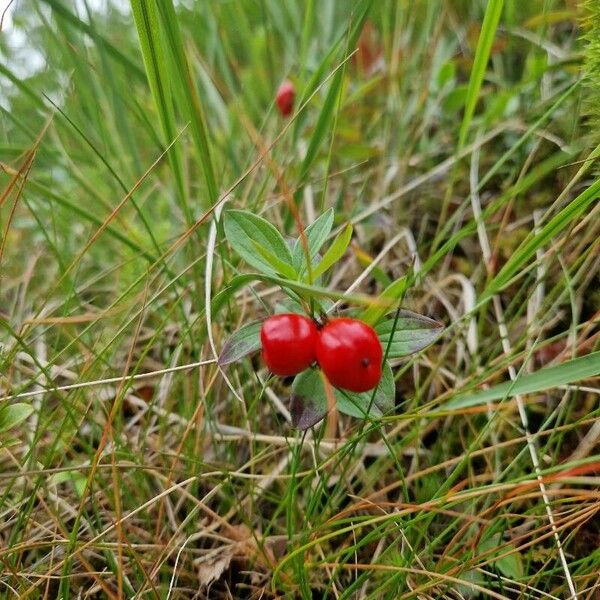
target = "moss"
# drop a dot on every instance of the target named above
(590, 23)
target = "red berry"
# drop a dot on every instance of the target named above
(349, 352)
(285, 98)
(288, 343)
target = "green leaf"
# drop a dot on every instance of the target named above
(245, 230)
(544, 379)
(510, 565)
(242, 342)
(334, 252)
(279, 265)
(316, 234)
(357, 405)
(13, 414)
(381, 305)
(309, 400)
(413, 333)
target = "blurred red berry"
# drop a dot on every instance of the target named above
(285, 98)
(368, 49)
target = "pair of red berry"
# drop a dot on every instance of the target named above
(348, 351)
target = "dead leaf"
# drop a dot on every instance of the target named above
(212, 569)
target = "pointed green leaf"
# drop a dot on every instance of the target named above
(280, 266)
(511, 565)
(334, 252)
(413, 332)
(244, 230)
(316, 234)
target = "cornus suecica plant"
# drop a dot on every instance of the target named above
(346, 356)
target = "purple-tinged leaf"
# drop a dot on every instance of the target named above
(309, 400)
(242, 342)
(413, 333)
